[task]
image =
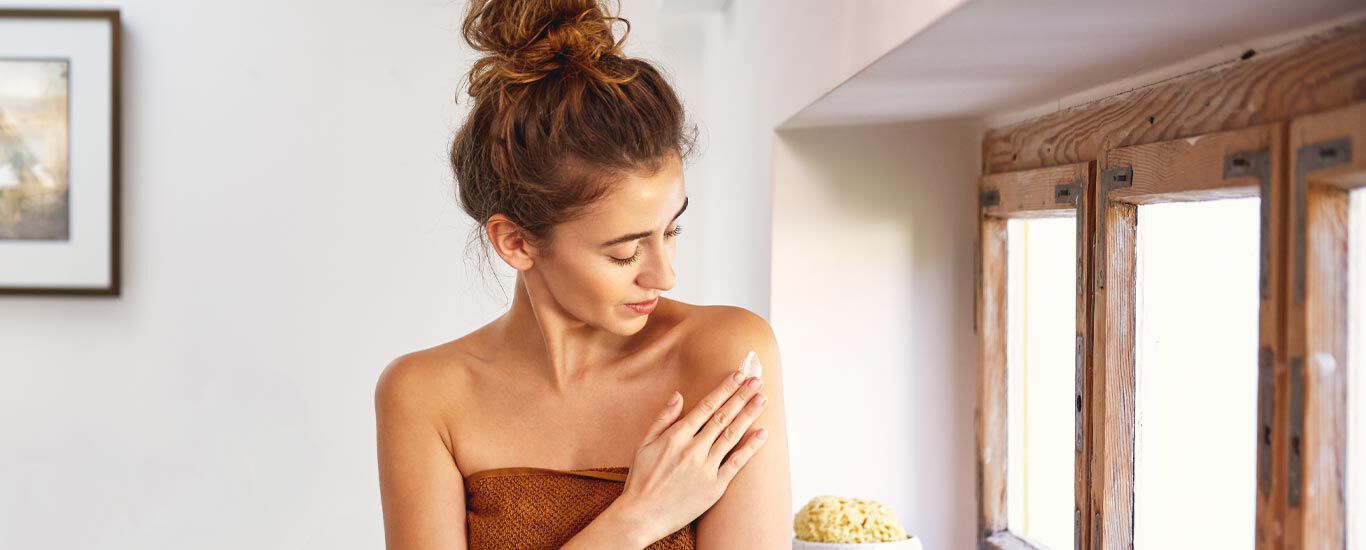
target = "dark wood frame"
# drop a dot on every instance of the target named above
(112, 17)
(1300, 94)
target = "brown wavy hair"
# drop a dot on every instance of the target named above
(560, 113)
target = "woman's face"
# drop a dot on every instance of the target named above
(620, 253)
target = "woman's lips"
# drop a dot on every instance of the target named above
(644, 308)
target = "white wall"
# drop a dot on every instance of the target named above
(762, 61)
(290, 226)
(873, 235)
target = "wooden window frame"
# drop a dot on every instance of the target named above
(1047, 192)
(1326, 164)
(1233, 164)
(1294, 95)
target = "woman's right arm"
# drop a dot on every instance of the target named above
(682, 467)
(615, 527)
(421, 489)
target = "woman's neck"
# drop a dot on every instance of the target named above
(562, 350)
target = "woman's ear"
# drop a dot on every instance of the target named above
(509, 241)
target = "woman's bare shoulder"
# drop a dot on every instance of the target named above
(719, 337)
(725, 323)
(432, 385)
(433, 374)
(708, 320)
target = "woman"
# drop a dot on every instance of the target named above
(553, 425)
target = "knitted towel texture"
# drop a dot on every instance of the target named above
(540, 508)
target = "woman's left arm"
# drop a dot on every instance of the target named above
(755, 513)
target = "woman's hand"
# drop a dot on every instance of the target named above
(678, 472)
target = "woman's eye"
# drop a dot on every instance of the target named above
(628, 261)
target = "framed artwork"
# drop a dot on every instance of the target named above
(59, 151)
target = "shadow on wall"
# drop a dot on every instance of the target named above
(874, 230)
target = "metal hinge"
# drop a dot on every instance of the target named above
(1296, 466)
(989, 197)
(1096, 532)
(1081, 237)
(1115, 178)
(1066, 193)
(1073, 192)
(1080, 382)
(1257, 163)
(1265, 410)
(1076, 527)
(1309, 158)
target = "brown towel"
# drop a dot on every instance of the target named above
(539, 508)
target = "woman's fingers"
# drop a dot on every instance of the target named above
(728, 437)
(693, 421)
(741, 456)
(664, 419)
(726, 415)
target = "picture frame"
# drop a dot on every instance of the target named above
(59, 152)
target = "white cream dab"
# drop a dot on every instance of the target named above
(751, 366)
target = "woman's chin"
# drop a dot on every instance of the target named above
(631, 324)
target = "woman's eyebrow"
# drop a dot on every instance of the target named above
(642, 234)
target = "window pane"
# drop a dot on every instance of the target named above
(1196, 375)
(1356, 369)
(1040, 325)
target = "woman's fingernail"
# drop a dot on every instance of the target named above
(738, 376)
(674, 400)
(763, 433)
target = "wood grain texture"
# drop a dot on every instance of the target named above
(1034, 193)
(1084, 422)
(1198, 168)
(1026, 194)
(1113, 397)
(1314, 508)
(1322, 81)
(991, 417)
(1189, 169)
(1348, 122)
(1272, 379)
(1325, 412)
(1316, 74)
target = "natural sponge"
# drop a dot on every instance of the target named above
(829, 518)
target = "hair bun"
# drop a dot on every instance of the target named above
(526, 40)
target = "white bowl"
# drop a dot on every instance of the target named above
(912, 543)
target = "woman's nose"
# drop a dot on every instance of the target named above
(660, 271)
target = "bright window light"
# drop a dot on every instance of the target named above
(1196, 374)
(1040, 372)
